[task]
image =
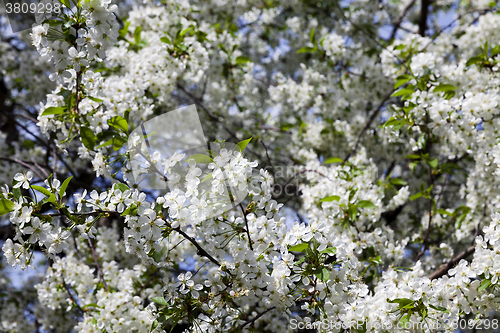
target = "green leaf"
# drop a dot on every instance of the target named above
(390, 122)
(459, 221)
(448, 89)
(131, 210)
(444, 88)
(122, 187)
(400, 47)
(438, 308)
(300, 261)
(474, 60)
(117, 142)
(201, 158)
(352, 212)
(28, 144)
(93, 305)
(185, 31)
(299, 247)
(330, 198)
(137, 34)
(405, 319)
(398, 181)
(403, 92)
(403, 269)
(243, 144)
(307, 49)
(352, 193)
(52, 110)
(119, 124)
(377, 260)
(410, 107)
(159, 300)
(402, 302)
(123, 31)
(311, 36)
(415, 196)
(444, 212)
(66, 3)
(166, 40)
(322, 274)
(333, 160)
(366, 204)
(396, 123)
(64, 186)
(207, 177)
(495, 50)
(241, 60)
(41, 190)
(448, 168)
(16, 191)
(98, 100)
(484, 284)
(413, 157)
(464, 210)
(201, 35)
(105, 136)
(6, 206)
(331, 250)
(88, 137)
(159, 255)
(53, 23)
(51, 198)
(400, 82)
(433, 163)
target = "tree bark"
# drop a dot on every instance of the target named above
(424, 15)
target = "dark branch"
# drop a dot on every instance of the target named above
(400, 19)
(443, 269)
(424, 14)
(373, 116)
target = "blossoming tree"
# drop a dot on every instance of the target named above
(356, 141)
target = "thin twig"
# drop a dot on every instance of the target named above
(197, 101)
(71, 296)
(99, 272)
(268, 158)
(246, 224)
(443, 270)
(482, 11)
(398, 22)
(201, 251)
(303, 171)
(76, 246)
(46, 144)
(368, 124)
(220, 120)
(251, 321)
(23, 163)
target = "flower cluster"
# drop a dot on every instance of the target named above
(389, 138)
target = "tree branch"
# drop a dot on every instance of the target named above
(398, 22)
(443, 269)
(99, 272)
(251, 321)
(424, 14)
(27, 165)
(246, 224)
(368, 124)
